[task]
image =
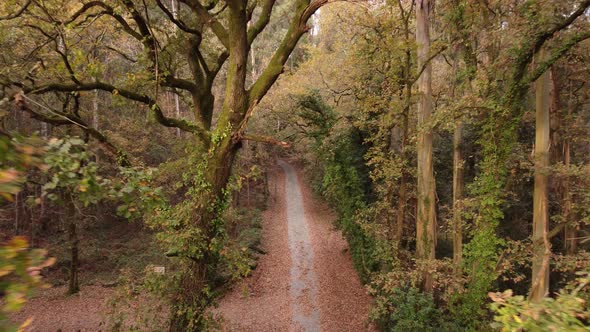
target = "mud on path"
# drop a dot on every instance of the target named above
(306, 281)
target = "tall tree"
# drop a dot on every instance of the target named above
(542, 247)
(426, 217)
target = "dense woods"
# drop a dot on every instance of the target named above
(138, 140)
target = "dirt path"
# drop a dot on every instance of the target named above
(306, 282)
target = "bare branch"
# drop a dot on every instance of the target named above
(109, 11)
(179, 23)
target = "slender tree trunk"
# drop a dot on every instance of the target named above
(401, 207)
(571, 231)
(403, 195)
(425, 218)
(254, 73)
(457, 197)
(74, 285)
(16, 212)
(174, 4)
(403, 191)
(541, 246)
(458, 164)
(95, 110)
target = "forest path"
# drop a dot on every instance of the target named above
(306, 281)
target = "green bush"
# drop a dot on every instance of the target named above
(408, 310)
(568, 311)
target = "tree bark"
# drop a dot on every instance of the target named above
(403, 195)
(571, 231)
(174, 4)
(194, 295)
(74, 284)
(425, 218)
(457, 198)
(541, 246)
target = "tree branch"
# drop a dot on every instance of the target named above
(209, 20)
(142, 98)
(527, 52)
(109, 11)
(304, 10)
(70, 119)
(556, 55)
(179, 23)
(262, 21)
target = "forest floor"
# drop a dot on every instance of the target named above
(306, 281)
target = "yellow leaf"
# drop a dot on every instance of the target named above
(6, 270)
(24, 325)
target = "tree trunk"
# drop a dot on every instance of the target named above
(403, 191)
(401, 207)
(95, 110)
(541, 246)
(457, 198)
(74, 285)
(194, 293)
(403, 195)
(571, 231)
(425, 218)
(174, 5)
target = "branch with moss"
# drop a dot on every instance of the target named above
(262, 21)
(209, 20)
(142, 98)
(304, 10)
(519, 83)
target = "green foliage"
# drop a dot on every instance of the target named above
(566, 312)
(71, 170)
(409, 309)
(139, 302)
(20, 269)
(75, 177)
(16, 156)
(20, 266)
(194, 233)
(343, 177)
